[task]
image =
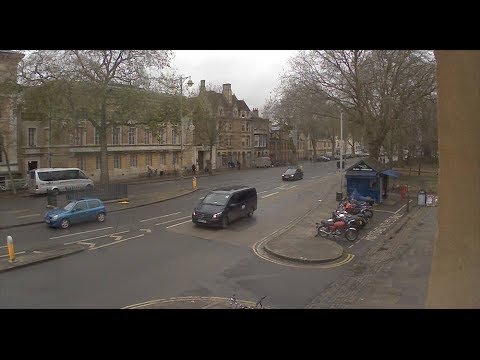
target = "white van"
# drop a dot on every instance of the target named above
(264, 161)
(57, 180)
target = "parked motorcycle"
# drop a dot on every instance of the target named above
(332, 227)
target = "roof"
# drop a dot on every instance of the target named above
(232, 188)
(242, 105)
(372, 163)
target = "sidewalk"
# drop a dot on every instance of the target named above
(37, 206)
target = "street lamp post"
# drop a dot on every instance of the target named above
(189, 83)
(341, 151)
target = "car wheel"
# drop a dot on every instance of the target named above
(225, 222)
(101, 217)
(250, 213)
(88, 188)
(55, 192)
(65, 223)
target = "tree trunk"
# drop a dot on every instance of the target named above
(211, 159)
(104, 176)
(14, 189)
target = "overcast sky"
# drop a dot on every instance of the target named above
(252, 73)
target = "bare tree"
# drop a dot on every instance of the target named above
(101, 84)
(373, 88)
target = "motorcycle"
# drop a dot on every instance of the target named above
(332, 227)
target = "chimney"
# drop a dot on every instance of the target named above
(255, 112)
(202, 86)
(227, 92)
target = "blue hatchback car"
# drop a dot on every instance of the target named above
(76, 211)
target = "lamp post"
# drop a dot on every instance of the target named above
(189, 83)
(341, 151)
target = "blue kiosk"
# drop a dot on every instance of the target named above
(369, 178)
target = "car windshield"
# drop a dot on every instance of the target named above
(216, 199)
(290, 171)
(70, 205)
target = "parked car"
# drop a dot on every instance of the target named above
(76, 211)
(323, 158)
(224, 205)
(292, 174)
(263, 161)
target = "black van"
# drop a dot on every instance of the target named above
(224, 205)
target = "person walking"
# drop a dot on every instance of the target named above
(194, 169)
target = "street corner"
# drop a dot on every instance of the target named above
(26, 258)
(291, 249)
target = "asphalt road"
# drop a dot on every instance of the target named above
(155, 252)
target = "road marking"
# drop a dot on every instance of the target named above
(3, 246)
(96, 237)
(386, 211)
(263, 191)
(166, 222)
(291, 187)
(281, 187)
(314, 177)
(116, 242)
(90, 245)
(146, 230)
(168, 227)
(116, 237)
(403, 207)
(263, 197)
(83, 232)
(320, 200)
(25, 216)
(158, 217)
(21, 252)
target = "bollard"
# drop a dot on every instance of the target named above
(11, 251)
(194, 183)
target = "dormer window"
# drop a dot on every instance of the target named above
(242, 114)
(220, 111)
(235, 112)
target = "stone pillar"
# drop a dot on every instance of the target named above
(455, 273)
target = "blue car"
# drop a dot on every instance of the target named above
(76, 211)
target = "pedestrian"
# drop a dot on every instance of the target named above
(194, 169)
(238, 164)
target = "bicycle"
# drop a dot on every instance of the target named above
(258, 304)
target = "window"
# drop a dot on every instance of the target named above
(148, 159)
(220, 111)
(81, 205)
(98, 161)
(32, 137)
(175, 137)
(163, 139)
(132, 135)
(249, 127)
(79, 136)
(228, 126)
(229, 140)
(235, 112)
(81, 162)
(244, 127)
(162, 159)
(96, 136)
(133, 160)
(148, 136)
(256, 141)
(116, 136)
(242, 114)
(93, 204)
(117, 161)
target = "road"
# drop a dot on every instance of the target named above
(155, 252)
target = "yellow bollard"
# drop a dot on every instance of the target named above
(11, 251)
(194, 183)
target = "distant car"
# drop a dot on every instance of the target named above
(323, 158)
(223, 205)
(76, 211)
(292, 174)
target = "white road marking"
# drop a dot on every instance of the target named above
(17, 253)
(263, 191)
(386, 211)
(146, 230)
(280, 187)
(83, 232)
(168, 227)
(402, 207)
(158, 217)
(314, 177)
(116, 237)
(166, 222)
(263, 197)
(116, 242)
(291, 187)
(96, 237)
(320, 200)
(3, 246)
(25, 216)
(91, 245)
